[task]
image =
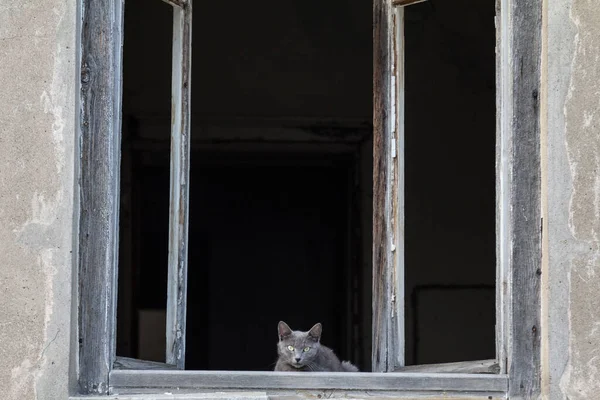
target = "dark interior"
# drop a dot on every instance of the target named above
(450, 180)
(281, 180)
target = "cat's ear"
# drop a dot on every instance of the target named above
(315, 332)
(284, 330)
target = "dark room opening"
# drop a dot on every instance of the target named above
(281, 180)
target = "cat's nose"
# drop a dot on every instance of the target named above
(297, 359)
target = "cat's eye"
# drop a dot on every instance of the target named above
(291, 348)
(306, 349)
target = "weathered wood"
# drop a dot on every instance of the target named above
(383, 395)
(397, 336)
(255, 380)
(177, 3)
(463, 367)
(381, 150)
(179, 181)
(388, 196)
(502, 184)
(182, 396)
(525, 198)
(304, 394)
(186, 394)
(133, 363)
(99, 131)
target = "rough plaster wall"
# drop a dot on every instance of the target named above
(572, 370)
(37, 76)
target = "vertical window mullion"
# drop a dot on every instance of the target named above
(388, 282)
(179, 184)
(388, 190)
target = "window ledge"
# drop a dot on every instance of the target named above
(297, 396)
(280, 385)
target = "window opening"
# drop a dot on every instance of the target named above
(281, 180)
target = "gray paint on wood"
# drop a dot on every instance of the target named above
(525, 201)
(179, 182)
(396, 382)
(99, 135)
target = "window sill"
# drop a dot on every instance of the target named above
(298, 396)
(279, 385)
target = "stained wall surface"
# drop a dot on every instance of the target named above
(37, 125)
(572, 201)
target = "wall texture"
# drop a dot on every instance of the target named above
(37, 76)
(572, 292)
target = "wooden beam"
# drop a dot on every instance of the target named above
(99, 165)
(180, 186)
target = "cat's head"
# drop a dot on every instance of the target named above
(297, 348)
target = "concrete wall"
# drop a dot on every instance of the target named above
(37, 119)
(37, 77)
(572, 202)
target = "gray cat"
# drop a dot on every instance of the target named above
(302, 351)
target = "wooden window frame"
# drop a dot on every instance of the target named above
(519, 223)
